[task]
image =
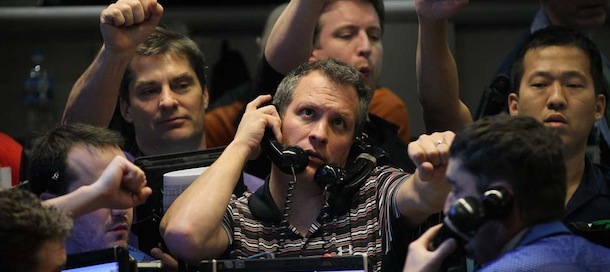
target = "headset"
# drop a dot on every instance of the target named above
(467, 214)
(342, 184)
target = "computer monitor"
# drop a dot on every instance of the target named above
(114, 259)
(356, 263)
(148, 215)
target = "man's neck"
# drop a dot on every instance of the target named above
(172, 147)
(306, 199)
(575, 168)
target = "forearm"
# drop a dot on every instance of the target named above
(437, 78)
(79, 202)
(291, 40)
(417, 200)
(191, 227)
(93, 97)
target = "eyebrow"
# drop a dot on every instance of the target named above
(562, 75)
(183, 76)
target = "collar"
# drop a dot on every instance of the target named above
(543, 230)
(262, 206)
(594, 183)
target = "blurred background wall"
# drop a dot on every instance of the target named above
(68, 36)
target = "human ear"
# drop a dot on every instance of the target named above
(125, 110)
(513, 103)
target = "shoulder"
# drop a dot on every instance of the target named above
(557, 253)
(385, 177)
(386, 100)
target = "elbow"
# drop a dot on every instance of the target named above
(189, 242)
(181, 242)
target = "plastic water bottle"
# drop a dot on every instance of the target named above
(38, 91)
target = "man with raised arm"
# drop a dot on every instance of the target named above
(160, 77)
(320, 107)
(558, 80)
(350, 31)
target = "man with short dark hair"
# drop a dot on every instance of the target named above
(32, 234)
(86, 162)
(558, 81)
(511, 172)
(160, 77)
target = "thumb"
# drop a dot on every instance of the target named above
(425, 171)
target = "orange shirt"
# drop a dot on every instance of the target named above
(220, 124)
(387, 105)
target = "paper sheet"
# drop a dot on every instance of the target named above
(175, 182)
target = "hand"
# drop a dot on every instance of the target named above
(430, 153)
(254, 122)
(122, 185)
(434, 10)
(127, 23)
(420, 259)
(170, 264)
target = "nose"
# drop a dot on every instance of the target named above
(118, 214)
(557, 99)
(166, 98)
(364, 44)
(319, 133)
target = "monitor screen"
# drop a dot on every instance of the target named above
(114, 259)
(106, 267)
(357, 263)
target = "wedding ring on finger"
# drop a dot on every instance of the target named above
(439, 142)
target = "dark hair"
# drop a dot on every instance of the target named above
(521, 151)
(334, 70)
(561, 36)
(25, 225)
(49, 170)
(165, 41)
(379, 9)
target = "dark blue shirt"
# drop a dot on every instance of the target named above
(591, 200)
(551, 247)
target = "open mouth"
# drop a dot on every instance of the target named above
(364, 72)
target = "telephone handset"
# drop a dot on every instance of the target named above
(342, 184)
(286, 158)
(467, 214)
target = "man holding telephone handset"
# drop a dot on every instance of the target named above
(507, 177)
(321, 107)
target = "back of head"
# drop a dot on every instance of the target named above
(25, 224)
(165, 41)
(49, 170)
(334, 70)
(522, 152)
(561, 36)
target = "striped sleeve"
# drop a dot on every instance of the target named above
(227, 221)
